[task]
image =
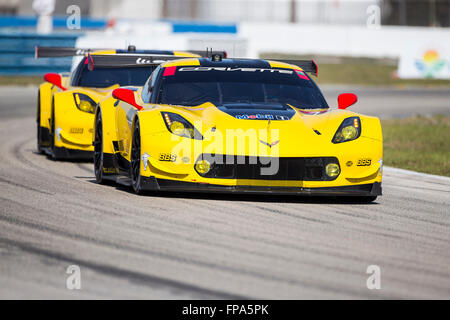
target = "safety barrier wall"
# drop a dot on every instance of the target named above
(18, 41)
(422, 52)
(240, 40)
(58, 22)
(17, 53)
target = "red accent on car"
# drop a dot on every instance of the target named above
(301, 75)
(126, 95)
(90, 62)
(169, 71)
(55, 79)
(345, 100)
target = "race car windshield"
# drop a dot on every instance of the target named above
(106, 77)
(192, 86)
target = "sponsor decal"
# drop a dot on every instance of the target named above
(81, 52)
(349, 163)
(110, 170)
(143, 61)
(76, 130)
(228, 69)
(364, 162)
(430, 64)
(167, 157)
(260, 117)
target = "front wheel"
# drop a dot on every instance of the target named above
(135, 165)
(98, 150)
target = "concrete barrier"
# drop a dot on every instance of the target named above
(17, 53)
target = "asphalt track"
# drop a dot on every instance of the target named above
(182, 246)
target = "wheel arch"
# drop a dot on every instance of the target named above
(107, 110)
(45, 96)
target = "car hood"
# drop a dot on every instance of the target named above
(284, 128)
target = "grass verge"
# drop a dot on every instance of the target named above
(359, 71)
(420, 144)
(20, 80)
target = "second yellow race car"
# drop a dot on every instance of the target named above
(66, 101)
(236, 125)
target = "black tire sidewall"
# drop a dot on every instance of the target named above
(136, 181)
(99, 171)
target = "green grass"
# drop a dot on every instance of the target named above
(370, 74)
(20, 80)
(420, 144)
(359, 71)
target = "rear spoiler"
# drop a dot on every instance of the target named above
(134, 60)
(124, 61)
(309, 66)
(59, 52)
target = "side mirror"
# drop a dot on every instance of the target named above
(126, 95)
(346, 100)
(54, 79)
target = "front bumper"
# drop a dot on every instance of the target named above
(363, 190)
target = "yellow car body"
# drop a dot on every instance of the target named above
(301, 146)
(64, 130)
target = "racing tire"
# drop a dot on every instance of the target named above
(98, 150)
(38, 125)
(53, 134)
(135, 161)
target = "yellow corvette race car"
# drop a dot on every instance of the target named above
(66, 102)
(236, 125)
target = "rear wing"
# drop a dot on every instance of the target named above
(59, 52)
(134, 60)
(309, 66)
(126, 61)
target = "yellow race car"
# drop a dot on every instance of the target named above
(236, 125)
(66, 102)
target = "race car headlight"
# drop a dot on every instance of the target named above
(349, 130)
(179, 126)
(202, 167)
(84, 103)
(332, 170)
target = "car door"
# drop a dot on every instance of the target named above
(124, 119)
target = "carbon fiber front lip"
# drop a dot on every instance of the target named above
(172, 185)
